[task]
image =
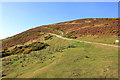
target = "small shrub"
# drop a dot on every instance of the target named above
(73, 37)
(56, 28)
(62, 30)
(38, 46)
(70, 36)
(106, 24)
(5, 52)
(71, 46)
(48, 37)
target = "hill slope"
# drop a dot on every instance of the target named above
(40, 53)
(76, 28)
(64, 59)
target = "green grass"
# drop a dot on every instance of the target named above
(59, 61)
(84, 61)
(106, 39)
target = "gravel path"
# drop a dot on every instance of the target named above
(84, 41)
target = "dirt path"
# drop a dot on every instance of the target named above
(84, 41)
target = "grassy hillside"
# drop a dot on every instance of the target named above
(74, 59)
(36, 53)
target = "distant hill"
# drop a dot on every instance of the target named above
(71, 29)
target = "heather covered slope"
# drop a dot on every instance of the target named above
(92, 26)
(71, 29)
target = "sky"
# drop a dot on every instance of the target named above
(20, 16)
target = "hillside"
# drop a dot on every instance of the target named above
(83, 48)
(76, 28)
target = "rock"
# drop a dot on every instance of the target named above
(117, 41)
